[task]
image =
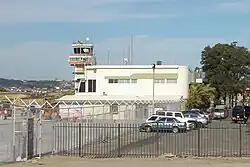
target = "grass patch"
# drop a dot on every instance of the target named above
(11, 96)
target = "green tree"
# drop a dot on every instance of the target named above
(200, 95)
(226, 67)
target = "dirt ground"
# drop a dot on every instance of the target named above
(125, 162)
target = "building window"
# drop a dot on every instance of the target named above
(159, 81)
(172, 81)
(91, 85)
(94, 85)
(82, 87)
(113, 80)
(133, 80)
(123, 81)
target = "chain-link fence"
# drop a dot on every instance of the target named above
(29, 129)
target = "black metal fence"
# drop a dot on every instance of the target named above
(220, 138)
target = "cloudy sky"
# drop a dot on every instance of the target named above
(36, 36)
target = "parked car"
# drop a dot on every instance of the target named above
(201, 114)
(175, 114)
(164, 124)
(153, 118)
(198, 111)
(199, 121)
(240, 113)
(220, 112)
(210, 113)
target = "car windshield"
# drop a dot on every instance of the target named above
(201, 112)
(219, 110)
(152, 118)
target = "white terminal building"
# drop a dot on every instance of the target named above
(126, 91)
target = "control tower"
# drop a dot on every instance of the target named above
(83, 55)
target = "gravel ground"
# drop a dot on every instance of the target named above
(161, 162)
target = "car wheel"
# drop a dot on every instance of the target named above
(175, 130)
(148, 129)
(235, 122)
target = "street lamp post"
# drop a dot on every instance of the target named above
(153, 78)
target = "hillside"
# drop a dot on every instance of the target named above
(7, 83)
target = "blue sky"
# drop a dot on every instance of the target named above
(36, 36)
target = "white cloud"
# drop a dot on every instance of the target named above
(235, 6)
(44, 60)
(18, 11)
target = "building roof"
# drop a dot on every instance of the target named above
(134, 67)
(118, 98)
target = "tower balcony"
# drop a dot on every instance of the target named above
(83, 54)
(80, 60)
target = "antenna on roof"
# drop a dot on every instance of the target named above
(125, 61)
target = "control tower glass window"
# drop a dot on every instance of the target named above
(84, 50)
(76, 50)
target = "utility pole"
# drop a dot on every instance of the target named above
(153, 91)
(129, 54)
(108, 56)
(132, 50)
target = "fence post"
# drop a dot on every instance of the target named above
(80, 139)
(240, 138)
(53, 138)
(119, 140)
(30, 137)
(13, 115)
(157, 140)
(199, 142)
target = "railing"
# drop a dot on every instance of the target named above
(119, 140)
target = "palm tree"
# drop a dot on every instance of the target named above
(200, 95)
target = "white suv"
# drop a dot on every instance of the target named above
(178, 115)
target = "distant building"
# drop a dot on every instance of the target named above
(135, 80)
